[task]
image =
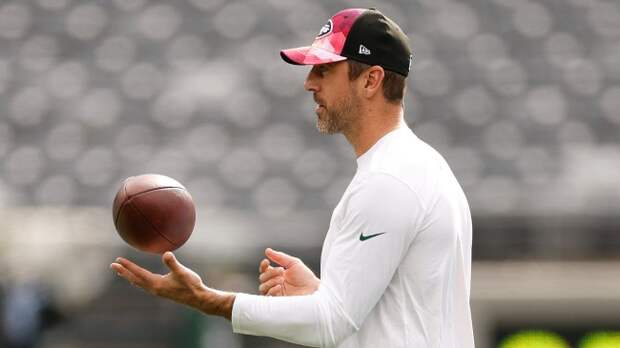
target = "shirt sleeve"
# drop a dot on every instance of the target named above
(381, 218)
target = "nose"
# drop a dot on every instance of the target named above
(311, 83)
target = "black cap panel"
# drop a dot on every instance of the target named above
(376, 40)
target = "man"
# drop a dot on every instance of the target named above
(395, 264)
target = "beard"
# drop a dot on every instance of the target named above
(339, 117)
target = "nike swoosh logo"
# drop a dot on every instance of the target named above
(363, 237)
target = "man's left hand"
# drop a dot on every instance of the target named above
(181, 285)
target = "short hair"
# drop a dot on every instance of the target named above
(393, 83)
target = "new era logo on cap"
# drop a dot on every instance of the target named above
(342, 36)
(364, 50)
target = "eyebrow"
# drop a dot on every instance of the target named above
(325, 67)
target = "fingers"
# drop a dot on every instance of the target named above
(171, 262)
(280, 258)
(270, 273)
(133, 273)
(266, 286)
(264, 265)
(275, 291)
(124, 273)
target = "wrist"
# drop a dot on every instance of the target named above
(215, 302)
(317, 283)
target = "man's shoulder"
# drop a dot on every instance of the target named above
(407, 158)
(411, 162)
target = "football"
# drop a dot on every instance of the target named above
(153, 213)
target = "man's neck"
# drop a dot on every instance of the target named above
(372, 126)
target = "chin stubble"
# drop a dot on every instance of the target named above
(338, 118)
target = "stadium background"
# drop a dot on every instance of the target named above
(521, 97)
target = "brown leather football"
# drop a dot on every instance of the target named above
(154, 213)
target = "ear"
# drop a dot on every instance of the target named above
(373, 81)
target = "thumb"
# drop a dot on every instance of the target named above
(171, 261)
(280, 258)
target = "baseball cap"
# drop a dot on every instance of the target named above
(363, 35)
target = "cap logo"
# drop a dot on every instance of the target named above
(326, 29)
(363, 50)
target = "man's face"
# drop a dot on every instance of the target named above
(336, 98)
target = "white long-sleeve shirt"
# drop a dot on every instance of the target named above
(395, 264)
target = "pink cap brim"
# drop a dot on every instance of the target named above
(309, 55)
